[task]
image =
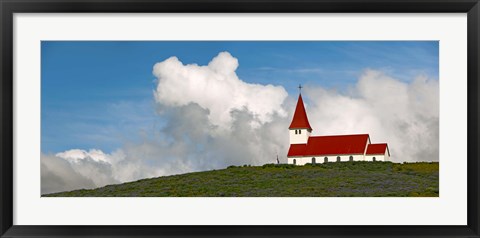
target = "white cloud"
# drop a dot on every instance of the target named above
(213, 119)
(57, 175)
(76, 155)
(217, 88)
(77, 169)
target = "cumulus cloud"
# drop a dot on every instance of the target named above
(76, 155)
(217, 88)
(213, 119)
(58, 174)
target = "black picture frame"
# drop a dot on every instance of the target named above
(9, 7)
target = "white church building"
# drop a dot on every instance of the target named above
(305, 148)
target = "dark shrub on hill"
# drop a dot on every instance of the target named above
(280, 166)
(268, 166)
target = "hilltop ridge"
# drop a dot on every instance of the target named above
(340, 179)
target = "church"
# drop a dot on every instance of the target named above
(305, 148)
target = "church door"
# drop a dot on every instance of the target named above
(294, 161)
(325, 159)
(313, 160)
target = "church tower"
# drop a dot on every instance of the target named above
(300, 128)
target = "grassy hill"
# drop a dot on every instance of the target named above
(344, 179)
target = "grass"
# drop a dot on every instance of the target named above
(340, 179)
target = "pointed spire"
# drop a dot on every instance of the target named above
(300, 119)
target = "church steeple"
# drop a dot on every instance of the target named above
(300, 128)
(300, 119)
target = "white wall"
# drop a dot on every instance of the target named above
(303, 160)
(320, 159)
(380, 157)
(377, 157)
(299, 138)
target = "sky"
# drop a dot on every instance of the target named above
(116, 111)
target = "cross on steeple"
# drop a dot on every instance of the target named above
(300, 88)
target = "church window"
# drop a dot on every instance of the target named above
(325, 159)
(374, 159)
(299, 131)
(350, 158)
(338, 158)
(294, 161)
(313, 160)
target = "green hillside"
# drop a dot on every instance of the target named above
(341, 179)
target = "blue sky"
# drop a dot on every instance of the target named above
(100, 94)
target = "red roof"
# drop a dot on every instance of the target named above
(377, 149)
(300, 119)
(297, 150)
(331, 145)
